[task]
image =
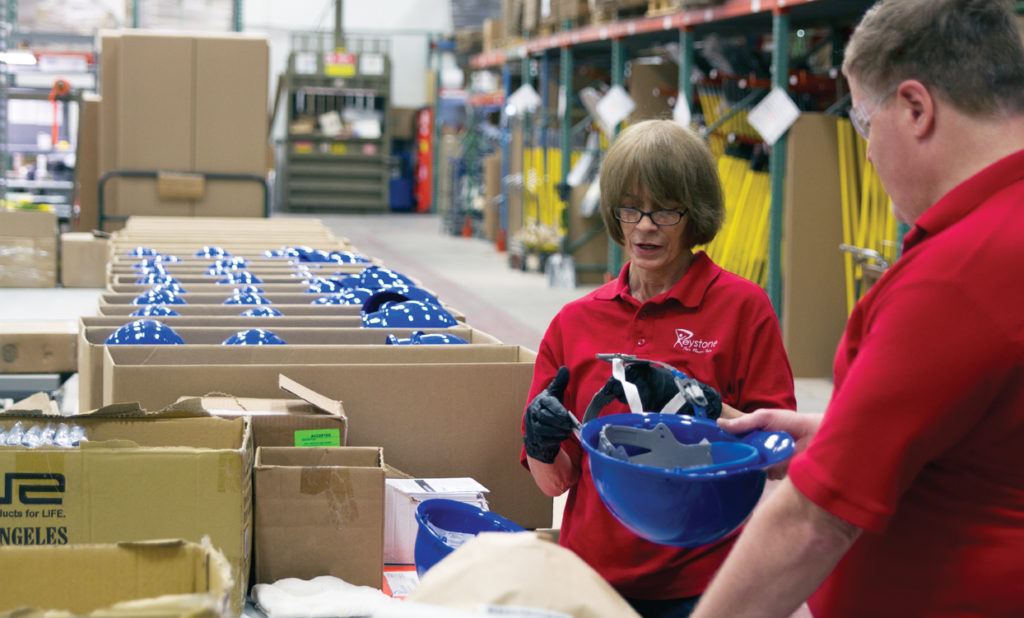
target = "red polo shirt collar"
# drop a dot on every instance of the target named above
(688, 291)
(965, 197)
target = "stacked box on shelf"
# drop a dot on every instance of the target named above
(28, 249)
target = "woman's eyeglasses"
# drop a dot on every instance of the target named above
(659, 217)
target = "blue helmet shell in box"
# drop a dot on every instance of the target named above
(153, 310)
(209, 251)
(155, 267)
(443, 524)
(155, 277)
(347, 280)
(144, 332)
(683, 507)
(246, 299)
(254, 336)
(418, 337)
(353, 296)
(158, 297)
(321, 285)
(409, 314)
(348, 257)
(262, 311)
(232, 262)
(173, 286)
(380, 277)
(397, 295)
(241, 276)
(248, 289)
(141, 252)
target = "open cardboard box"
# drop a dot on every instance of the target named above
(234, 310)
(122, 579)
(438, 411)
(177, 473)
(300, 342)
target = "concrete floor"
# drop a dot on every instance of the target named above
(468, 273)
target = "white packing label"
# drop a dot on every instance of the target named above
(402, 583)
(305, 63)
(773, 116)
(371, 64)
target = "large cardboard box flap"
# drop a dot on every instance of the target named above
(38, 347)
(319, 511)
(170, 579)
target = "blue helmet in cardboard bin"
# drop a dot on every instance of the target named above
(141, 252)
(396, 295)
(209, 251)
(241, 276)
(353, 296)
(409, 314)
(443, 524)
(348, 257)
(248, 289)
(679, 480)
(322, 285)
(158, 297)
(246, 299)
(153, 311)
(173, 286)
(144, 332)
(419, 337)
(262, 311)
(254, 336)
(151, 278)
(380, 277)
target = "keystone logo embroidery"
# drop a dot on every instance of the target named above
(686, 342)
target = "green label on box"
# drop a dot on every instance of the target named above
(318, 437)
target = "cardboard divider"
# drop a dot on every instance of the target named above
(198, 298)
(437, 411)
(301, 342)
(289, 310)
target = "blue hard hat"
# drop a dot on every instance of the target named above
(321, 285)
(156, 277)
(158, 297)
(157, 260)
(380, 277)
(155, 267)
(262, 311)
(241, 276)
(275, 253)
(397, 295)
(409, 314)
(254, 336)
(353, 296)
(154, 310)
(419, 337)
(144, 332)
(314, 255)
(246, 299)
(211, 251)
(684, 507)
(249, 289)
(232, 262)
(443, 525)
(347, 280)
(348, 257)
(173, 286)
(141, 252)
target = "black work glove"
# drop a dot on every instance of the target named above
(657, 386)
(547, 422)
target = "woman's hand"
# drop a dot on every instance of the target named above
(801, 427)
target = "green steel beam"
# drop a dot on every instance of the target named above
(686, 64)
(136, 4)
(237, 15)
(777, 162)
(618, 77)
(435, 49)
(565, 96)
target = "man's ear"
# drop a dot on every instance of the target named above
(918, 106)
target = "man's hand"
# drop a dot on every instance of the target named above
(657, 386)
(801, 427)
(547, 422)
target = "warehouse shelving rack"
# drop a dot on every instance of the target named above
(612, 42)
(325, 172)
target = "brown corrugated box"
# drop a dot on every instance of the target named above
(28, 249)
(38, 347)
(653, 85)
(319, 511)
(87, 163)
(83, 260)
(143, 476)
(95, 579)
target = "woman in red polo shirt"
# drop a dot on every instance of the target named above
(660, 198)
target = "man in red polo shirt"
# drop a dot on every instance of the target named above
(909, 497)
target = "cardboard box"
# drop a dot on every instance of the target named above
(403, 496)
(438, 411)
(83, 260)
(403, 122)
(28, 249)
(319, 511)
(87, 163)
(492, 195)
(653, 85)
(310, 420)
(493, 35)
(143, 476)
(38, 347)
(594, 251)
(94, 580)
